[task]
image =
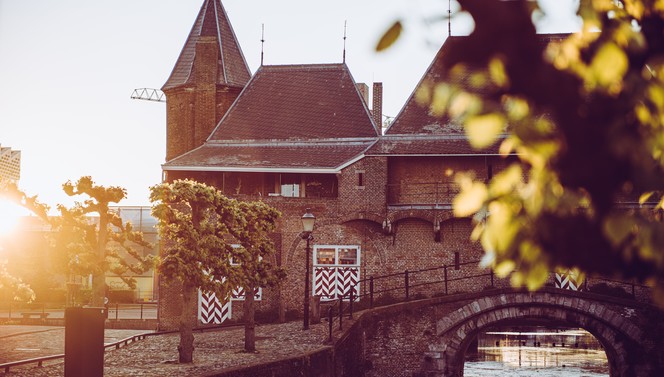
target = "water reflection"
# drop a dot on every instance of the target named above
(563, 353)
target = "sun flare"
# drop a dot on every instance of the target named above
(9, 216)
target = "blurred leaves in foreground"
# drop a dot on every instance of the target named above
(584, 115)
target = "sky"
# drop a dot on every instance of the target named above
(68, 68)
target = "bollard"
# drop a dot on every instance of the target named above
(84, 342)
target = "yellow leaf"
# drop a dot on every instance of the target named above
(501, 229)
(390, 36)
(644, 197)
(537, 276)
(423, 94)
(635, 8)
(463, 103)
(497, 73)
(441, 97)
(516, 108)
(504, 268)
(483, 130)
(470, 200)
(507, 146)
(506, 181)
(609, 65)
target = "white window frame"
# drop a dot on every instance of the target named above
(337, 248)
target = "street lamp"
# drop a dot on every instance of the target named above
(308, 221)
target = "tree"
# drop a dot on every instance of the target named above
(253, 255)
(109, 245)
(91, 248)
(193, 219)
(584, 118)
(199, 227)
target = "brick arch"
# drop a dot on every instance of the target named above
(420, 215)
(363, 215)
(431, 216)
(297, 239)
(617, 334)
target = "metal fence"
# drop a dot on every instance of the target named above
(451, 279)
(14, 310)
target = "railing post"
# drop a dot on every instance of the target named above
(116, 311)
(350, 308)
(405, 273)
(371, 292)
(10, 310)
(492, 278)
(141, 311)
(330, 315)
(445, 270)
(341, 312)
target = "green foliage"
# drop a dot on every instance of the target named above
(584, 117)
(96, 247)
(199, 225)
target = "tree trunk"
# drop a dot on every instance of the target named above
(99, 277)
(186, 346)
(249, 321)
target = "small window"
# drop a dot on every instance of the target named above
(325, 256)
(360, 178)
(336, 255)
(347, 256)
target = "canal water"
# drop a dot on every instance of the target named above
(537, 352)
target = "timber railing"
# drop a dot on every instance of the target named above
(376, 291)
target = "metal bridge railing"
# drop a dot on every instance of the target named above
(380, 290)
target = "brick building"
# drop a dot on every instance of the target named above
(10, 164)
(304, 136)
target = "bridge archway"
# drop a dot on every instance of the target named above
(617, 334)
(432, 335)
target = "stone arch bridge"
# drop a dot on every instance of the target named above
(430, 337)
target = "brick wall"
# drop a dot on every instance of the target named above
(356, 218)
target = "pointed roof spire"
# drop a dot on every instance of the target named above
(212, 21)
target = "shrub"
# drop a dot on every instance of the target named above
(124, 296)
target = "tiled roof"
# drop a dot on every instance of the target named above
(213, 21)
(439, 145)
(329, 155)
(298, 102)
(415, 118)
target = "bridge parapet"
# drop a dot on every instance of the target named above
(430, 337)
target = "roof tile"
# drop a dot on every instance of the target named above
(212, 20)
(297, 102)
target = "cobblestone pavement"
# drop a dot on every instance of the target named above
(27, 342)
(214, 350)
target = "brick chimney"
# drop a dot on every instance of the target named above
(364, 91)
(377, 109)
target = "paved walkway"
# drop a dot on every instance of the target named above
(156, 356)
(27, 342)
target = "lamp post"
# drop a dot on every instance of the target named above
(308, 221)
